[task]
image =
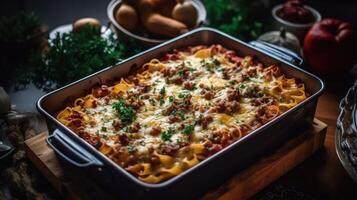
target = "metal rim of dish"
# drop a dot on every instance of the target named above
(316, 14)
(342, 154)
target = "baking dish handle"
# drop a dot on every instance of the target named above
(280, 52)
(70, 151)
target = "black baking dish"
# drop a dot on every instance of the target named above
(209, 173)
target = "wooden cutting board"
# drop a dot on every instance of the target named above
(241, 186)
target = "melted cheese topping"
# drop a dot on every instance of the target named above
(190, 108)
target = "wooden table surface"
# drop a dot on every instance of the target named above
(322, 176)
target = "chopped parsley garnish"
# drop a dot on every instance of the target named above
(142, 143)
(191, 69)
(183, 95)
(180, 73)
(216, 62)
(188, 129)
(126, 113)
(163, 90)
(131, 149)
(166, 135)
(104, 129)
(162, 102)
(127, 129)
(241, 87)
(181, 114)
(152, 102)
(171, 99)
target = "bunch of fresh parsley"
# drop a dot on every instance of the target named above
(74, 55)
(235, 17)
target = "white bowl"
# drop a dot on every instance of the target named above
(122, 32)
(299, 30)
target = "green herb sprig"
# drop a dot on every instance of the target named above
(188, 129)
(166, 135)
(74, 55)
(126, 113)
(236, 17)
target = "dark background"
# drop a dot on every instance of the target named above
(55, 13)
(59, 12)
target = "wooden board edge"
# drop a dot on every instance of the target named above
(40, 165)
(233, 188)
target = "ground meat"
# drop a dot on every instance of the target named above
(226, 107)
(231, 55)
(134, 102)
(135, 127)
(261, 101)
(133, 79)
(155, 130)
(101, 92)
(188, 85)
(91, 139)
(117, 125)
(169, 71)
(273, 70)
(204, 121)
(169, 109)
(124, 139)
(218, 49)
(252, 71)
(233, 95)
(174, 118)
(144, 89)
(177, 80)
(172, 56)
(227, 73)
(208, 95)
(186, 102)
(169, 149)
(203, 86)
(264, 114)
(154, 159)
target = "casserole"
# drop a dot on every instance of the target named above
(208, 173)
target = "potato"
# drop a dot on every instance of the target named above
(127, 17)
(159, 24)
(156, 23)
(77, 25)
(185, 12)
(164, 7)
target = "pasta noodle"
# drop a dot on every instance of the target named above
(174, 112)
